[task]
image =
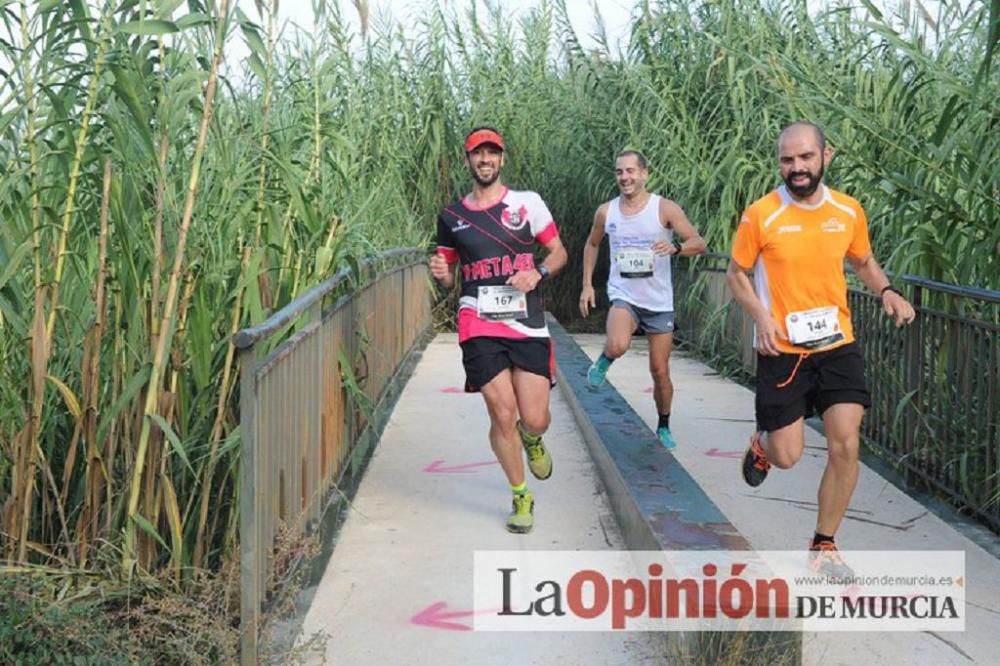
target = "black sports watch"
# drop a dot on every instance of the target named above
(678, 246)
(543, 270)
(889, 287)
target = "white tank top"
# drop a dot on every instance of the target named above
(636, 275)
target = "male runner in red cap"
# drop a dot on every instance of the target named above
(491, 233)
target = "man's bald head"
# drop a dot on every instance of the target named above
(799, 128)
(802, 158)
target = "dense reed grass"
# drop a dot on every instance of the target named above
(151, 205)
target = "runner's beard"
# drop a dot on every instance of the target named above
(485, 182)
(809, 188)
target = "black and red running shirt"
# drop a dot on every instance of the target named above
(492, 244)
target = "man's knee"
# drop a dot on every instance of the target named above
(843, 450)
(785, 459)
(616, 347)
(536, 422)
(503, 414)
(660, 374)
(785, 455)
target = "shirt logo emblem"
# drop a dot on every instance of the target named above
(514, 219)
(790, 228)
(833, 225)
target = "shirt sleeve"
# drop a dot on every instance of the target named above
(543, 227)
(861, 245)
(446, 241)
(746, 243)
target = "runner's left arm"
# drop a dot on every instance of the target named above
(859, 253)
(547, 234)
(555, 260)
(673, 217)
(872, 275)
(544, 229)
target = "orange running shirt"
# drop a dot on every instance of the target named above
(797, 254)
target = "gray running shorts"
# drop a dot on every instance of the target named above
(649, 321)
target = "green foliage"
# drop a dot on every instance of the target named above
(35, 628)
(327, 148)
(76, 617)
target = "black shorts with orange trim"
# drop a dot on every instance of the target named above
(486, 357)
(793, 386)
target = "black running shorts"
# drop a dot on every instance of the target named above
(485, 357)
(786, 393)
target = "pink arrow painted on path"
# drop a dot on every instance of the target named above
(436, 617)
(438, 467)
(648, 390)
(452, 389)
(716, 453)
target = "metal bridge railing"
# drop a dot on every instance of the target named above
(935, 384)
(310, 379)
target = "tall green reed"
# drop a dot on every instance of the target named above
(118, 422)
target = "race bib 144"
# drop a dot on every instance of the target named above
(814, 328)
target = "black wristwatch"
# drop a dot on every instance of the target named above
(543, 270)
(678, 246)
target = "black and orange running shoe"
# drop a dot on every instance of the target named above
(824, 558)
(755, 464)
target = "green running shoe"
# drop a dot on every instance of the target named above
(522, 518)
(666, 439)
(598, 371)
(539, 460)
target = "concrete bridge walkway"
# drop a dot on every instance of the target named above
(398, 588)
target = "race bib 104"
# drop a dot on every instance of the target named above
(814, 328)
(502, 302)
(635, 263)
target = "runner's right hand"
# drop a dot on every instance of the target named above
(439, 266)
(768, 334)
(587, 301)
